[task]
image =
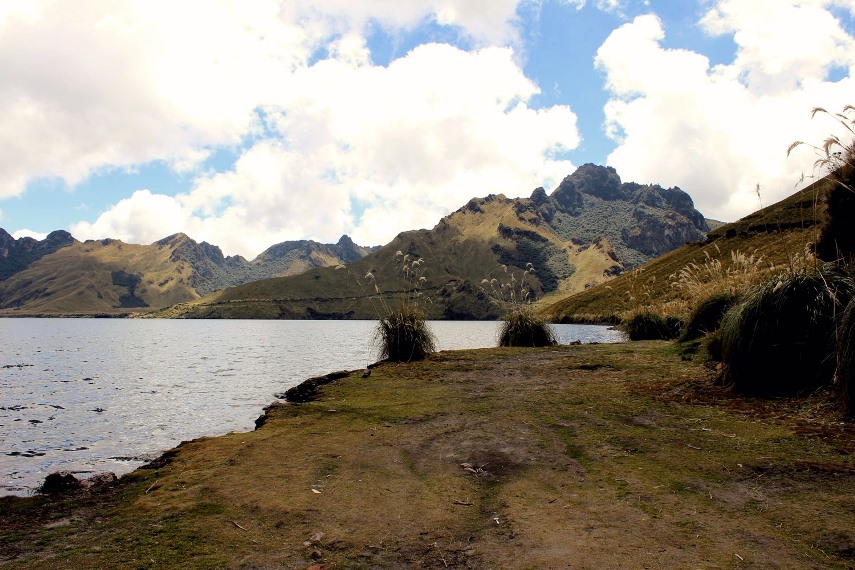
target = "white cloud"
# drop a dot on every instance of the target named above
(102, 84)
(369, 150)
(717, 131)
(99, 85)
(344, 146)
(29, 233)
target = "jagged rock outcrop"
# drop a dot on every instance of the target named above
(17, 254)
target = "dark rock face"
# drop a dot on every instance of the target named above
(567, 196)
(17, 254)
(656, 234)
(643, 221)
(130, 282)
(600, 181)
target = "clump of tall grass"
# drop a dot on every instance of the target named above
(402, 333)
(648, 325)
(836, 158)
(521, 326)
(707, 315)
(845, 377)
(404, 336)
(780, 340)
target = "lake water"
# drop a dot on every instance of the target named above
(95, 395)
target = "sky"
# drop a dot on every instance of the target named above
(245, 124)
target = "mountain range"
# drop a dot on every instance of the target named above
(61, 275)
(589, 229)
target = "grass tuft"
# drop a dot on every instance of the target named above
(846, 360)
(707, 315)
(404, 336)
(522, 328)
(647, 325)
(780, 341)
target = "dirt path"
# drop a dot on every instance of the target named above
(605, 456)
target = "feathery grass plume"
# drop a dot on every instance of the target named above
(836, 157)
(706, 317)
(402, 331)
(845, 377)
(647, 325)
(521, 326)
(780, 341)
(738, 274)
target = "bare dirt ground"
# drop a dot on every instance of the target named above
(593, 456)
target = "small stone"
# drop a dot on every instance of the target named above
(316, 555)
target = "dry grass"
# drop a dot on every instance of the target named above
(781, 339)
(617, 456)
(734, 256)
(733, 274)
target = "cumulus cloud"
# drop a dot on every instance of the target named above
(326, 147)
(718, 131)
(369, 150)
(98, 85)
(29, 233)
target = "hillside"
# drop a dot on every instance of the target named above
(776, 235)
(590, 228)
(17, 254)
(63, 276)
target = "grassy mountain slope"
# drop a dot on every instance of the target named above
(106, 276)
(112, 277)
(777, 233)
(17, 254)
(462, 249)
(592, 227)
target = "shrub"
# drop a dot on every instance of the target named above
(846, 360)
(404, 336)
(522, 328)
(707, 315)
(780, 340)
(648, 326)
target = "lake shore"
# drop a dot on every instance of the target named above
(588, 456)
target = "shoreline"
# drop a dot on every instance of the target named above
(613, 455)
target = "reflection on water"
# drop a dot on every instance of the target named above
(93, 395)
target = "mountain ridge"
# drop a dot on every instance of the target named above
(61, 275)
(591, 228)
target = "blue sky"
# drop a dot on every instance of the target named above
(248, 124)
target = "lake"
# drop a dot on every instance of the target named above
(95, 395)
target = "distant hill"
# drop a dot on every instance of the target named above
(17, 254)
(589, 229)
(61, 275)
(776, 233)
